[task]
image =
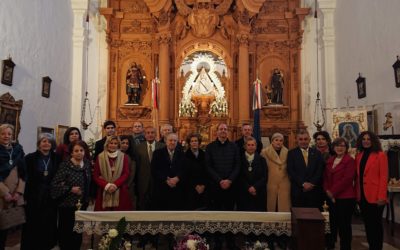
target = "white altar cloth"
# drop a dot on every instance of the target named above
(184, 222)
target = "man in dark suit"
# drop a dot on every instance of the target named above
(167, 169)
(305, 167)
(109, 128)
(247, 131)
(138, 135)
(143, 156)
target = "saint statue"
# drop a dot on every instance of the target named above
(134, 80)
(277, 87)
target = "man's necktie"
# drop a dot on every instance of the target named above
(150, 153)
(305, 156)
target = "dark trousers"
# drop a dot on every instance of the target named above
(340, 214)
(372, 216)
(68, 239)
(3, 238)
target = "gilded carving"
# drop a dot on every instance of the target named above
(203, 17)
(137, 26)
(164, 38)
(134, 113)
(127, 48)
(271, 27)
(273, 7)
(136, 6)
(243, 39)
(276, 113)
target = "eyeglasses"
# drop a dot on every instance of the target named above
(341, 146)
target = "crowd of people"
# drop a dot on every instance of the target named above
(136, 172)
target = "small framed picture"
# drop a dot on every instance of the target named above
(7, 71)
(41, 130)
(46, 83)
(60, 131)
(361, 87)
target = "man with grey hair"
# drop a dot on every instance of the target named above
(305, 167)
(167, 174)
(165, 130)
(247, 132)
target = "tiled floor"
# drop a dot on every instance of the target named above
(359, 241)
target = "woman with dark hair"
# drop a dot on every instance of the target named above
(111, 172)
(69, 187)
(323, 144)
(127, 148)
(12, 173)
(71, 134)
(252, 179)
(195, 175)
(41, 209)
(371, 186)
(339, 187)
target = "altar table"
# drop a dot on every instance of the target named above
(185, 222)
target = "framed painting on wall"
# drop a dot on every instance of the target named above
(41, 130)
(60, 131)
(349, 124)
(10, 111)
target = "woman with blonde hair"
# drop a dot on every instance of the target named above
(12, 173)
(111, 173)
(278, 187)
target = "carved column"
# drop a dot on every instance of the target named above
(78, 38)
(164, 66)
(328, 8)
(244, 84)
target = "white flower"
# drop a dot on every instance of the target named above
(257, 244)
(113, 233)
(191, 244)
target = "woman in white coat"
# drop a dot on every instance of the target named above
(278, 187)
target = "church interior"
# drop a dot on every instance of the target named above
(322, 64)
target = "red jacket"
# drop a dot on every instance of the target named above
(375, 177)
(340, 180)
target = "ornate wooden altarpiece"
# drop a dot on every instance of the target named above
(230, 42)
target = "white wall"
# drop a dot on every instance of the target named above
(37, 34)
(367, 41)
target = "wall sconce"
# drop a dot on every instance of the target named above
(396, 68)
(361, 86)
(7, 71)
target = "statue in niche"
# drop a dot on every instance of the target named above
(134, 80)
(277, 87)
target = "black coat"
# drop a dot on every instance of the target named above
(99, 147)
(299, 173)
(255, 175)
(41, 209)
(195, 173)
(165, 197)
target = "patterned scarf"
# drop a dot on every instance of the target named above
(110, 199)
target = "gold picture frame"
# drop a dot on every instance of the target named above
(349, 124)
(60, 131)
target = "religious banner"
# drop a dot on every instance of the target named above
(349, 124)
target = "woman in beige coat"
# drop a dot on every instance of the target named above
(278, 187)
(12, 174)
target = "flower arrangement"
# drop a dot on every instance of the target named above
(257, 246)
(192, 242)
(114, 240)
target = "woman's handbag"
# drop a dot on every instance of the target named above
(11, 216)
